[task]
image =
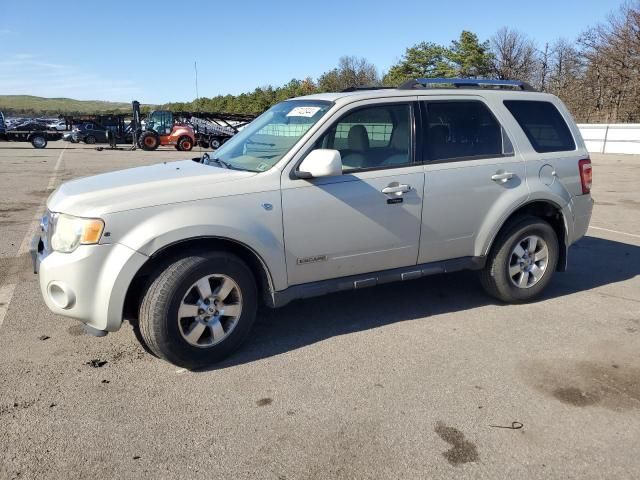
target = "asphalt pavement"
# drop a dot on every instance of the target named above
(424, 379)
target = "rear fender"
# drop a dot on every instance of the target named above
(181, 131)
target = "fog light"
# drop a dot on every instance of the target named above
(61, 295)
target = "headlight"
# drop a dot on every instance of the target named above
(69, 232)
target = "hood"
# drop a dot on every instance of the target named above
(140, 187)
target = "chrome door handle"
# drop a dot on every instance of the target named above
(396, 189)
(502, 176)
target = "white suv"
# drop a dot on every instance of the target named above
(322, 193)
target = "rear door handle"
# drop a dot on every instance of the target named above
(396, 189)
(502, 177)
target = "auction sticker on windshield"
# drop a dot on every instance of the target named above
(303, 112)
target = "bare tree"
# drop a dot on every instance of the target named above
(351, 72)
(611, 52)
(542, 70)
(514, 55)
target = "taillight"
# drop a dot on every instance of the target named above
(586, 175)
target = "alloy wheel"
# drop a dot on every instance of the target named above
(210, 310)
(528, 261)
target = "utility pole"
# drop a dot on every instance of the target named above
(195, 67)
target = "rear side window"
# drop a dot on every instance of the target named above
(462, 130)
(543, 124)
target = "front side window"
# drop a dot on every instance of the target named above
(543, 125)
(262, 143)
(462, 130)
(372, 137)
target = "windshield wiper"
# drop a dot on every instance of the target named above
(207, 160)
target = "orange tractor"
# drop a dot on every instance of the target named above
(162, 129)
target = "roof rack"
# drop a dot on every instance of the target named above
(466, 83)
(356, 89)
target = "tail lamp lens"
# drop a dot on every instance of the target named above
(586, 175)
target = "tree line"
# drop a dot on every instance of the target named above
(597, 74)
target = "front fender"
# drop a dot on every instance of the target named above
(241, 218)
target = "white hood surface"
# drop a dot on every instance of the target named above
(140, 187)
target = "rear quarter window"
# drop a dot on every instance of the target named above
(543, 125)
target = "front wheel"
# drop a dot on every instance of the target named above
(149, 141)
(522, 261)
(89, 139)
(199, 309)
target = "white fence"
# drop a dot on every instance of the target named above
(612, 137)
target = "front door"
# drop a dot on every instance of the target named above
(367, 219)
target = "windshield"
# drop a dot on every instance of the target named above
(262, 143)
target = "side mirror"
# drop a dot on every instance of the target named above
(321, 163)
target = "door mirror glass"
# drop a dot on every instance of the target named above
(320, 163)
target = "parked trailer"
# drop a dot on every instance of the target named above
(183, 130)
(39, 138)
(212, 129)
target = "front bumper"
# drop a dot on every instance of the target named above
(90, 284)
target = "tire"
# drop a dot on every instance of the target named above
(39, 141)
(187, 341)
(89, 139)
(513, 274)
(185, 144)
(215, 143)
(149, 141)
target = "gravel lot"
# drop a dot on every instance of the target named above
(401, 381)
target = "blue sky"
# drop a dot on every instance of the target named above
(121, 50)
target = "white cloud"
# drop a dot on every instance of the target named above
(28, 74)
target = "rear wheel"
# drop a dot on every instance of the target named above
(39, 141)
(185, 144)
(149, 141)
(199, 309)
(90, 139)
(214, 143)
(522, 261)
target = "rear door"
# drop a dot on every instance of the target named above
(471, 174)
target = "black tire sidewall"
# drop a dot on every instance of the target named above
(44, 141)
(144, 145)
(503, 256)
(174, 347)
(181, 143)
(90, 139)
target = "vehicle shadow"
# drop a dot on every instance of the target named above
(593, 262)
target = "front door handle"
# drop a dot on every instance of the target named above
(396, 189)
(502, 177)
